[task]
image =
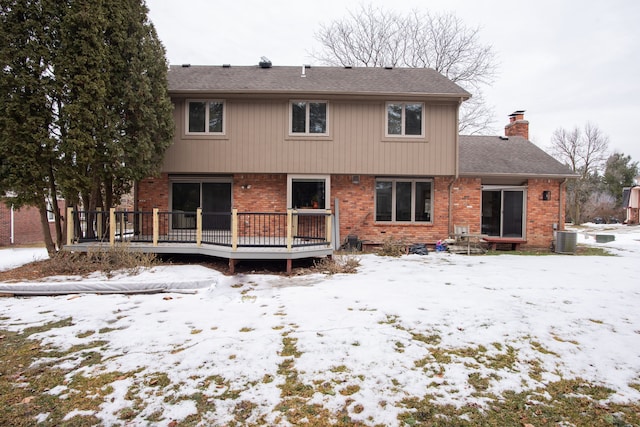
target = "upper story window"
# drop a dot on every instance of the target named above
(205, 116)
(308, 117)
(405, 119)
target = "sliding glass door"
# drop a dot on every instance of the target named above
(503, 212)
(213, 197)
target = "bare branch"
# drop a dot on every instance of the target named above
(374, 37)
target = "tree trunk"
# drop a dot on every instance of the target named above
(54, 206)
(46, 232)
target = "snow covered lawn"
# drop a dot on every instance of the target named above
(439, 331)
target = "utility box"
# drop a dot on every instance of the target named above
(604, 238)
(566, 242)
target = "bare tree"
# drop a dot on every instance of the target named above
(375, 37)
(585, 151)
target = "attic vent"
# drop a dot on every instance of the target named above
(504, 138)
(388, 67)
(186, 65)
(348, 67)
(226, 65)
(264, 62)
(307, 66)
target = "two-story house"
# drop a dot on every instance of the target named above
(377, 147)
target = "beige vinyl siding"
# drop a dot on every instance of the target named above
(257, 140)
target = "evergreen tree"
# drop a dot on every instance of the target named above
(619, 173)
(116, 110)
(27, 107)
(85, 110)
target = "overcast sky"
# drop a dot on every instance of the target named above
(564, 62)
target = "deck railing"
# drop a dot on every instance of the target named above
(232, 229)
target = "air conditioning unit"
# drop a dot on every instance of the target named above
(566, 242)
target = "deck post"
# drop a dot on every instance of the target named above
(112, 227)
(289, 229)
(156, 227)
(328, 227)
(234, 229)
(69, 226)
(199, 227)
(99, 222)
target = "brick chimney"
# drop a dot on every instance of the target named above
(517, 126)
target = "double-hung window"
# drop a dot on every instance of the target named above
(405, 119)
(308, 118)
(404, 200)
(205, 117)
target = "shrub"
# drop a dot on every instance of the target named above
(107, 260)
(340, 264)
(393, 247)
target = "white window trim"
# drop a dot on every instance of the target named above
(413, 200)
(327, 187)
(206, 117)
(51, 216)
(402, 120)
(307, 133)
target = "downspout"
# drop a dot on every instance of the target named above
(12, 227)
(560, 207)
(455, 170)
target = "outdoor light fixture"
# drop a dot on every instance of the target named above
(546, 195)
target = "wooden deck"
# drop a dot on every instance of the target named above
(249, 236)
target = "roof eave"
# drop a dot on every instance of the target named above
(518, 175)
(451, 96)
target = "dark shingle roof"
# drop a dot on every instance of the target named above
(515, 156)
(321, 80)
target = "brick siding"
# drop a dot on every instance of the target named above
(268, 193)
(27, 229)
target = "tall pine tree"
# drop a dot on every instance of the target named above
(96, 74)
(28, 154)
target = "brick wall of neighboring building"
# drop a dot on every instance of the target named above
(5, 224)
(27, 229)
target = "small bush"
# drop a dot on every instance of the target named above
(99, 259)
(393, 247)
(343, 264)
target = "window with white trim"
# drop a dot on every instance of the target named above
(51, 215)
(308, 117)
(404, 200)
(405, 119)
(205, 116)
(308, 191)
